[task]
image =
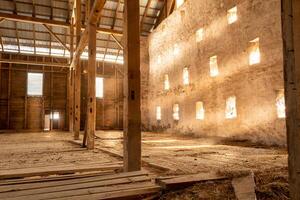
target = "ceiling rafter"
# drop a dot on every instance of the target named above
(93, 19)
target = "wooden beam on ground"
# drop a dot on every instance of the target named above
(132, 102)
(187, 180)
(77, 72)
(291, 51)
(59, 169)
(27, 62)
(56, 37)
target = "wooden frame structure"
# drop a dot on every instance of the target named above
(291, 44)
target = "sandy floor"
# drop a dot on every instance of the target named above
(192, 155)
(22, 150)
(162, 154)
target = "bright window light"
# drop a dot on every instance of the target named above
(232, 15)
(179, 3)
(176, 112)
(35, 84)
(166, 82)
(99, 87)
(158, 113)
(55, 116)
(186, 80)
(200, 35)
(176, 49)
(231, 112)
(254, 57)
(213, 63)
(200, 110)
(280, 104)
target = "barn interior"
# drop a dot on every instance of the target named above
(149, 99)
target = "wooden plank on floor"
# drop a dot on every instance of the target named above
(38, 185)
(46, 171)
(6, 182)
(118, 195)
(73, 194)
(74, 186)
(186, 180)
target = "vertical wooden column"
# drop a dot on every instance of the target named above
(9, 94)
(132, 110)
(291, 47)
(71, 83)
(77, 74)
(91, 86)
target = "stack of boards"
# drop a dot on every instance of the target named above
(96, 184)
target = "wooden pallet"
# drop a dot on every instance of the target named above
(89, 187)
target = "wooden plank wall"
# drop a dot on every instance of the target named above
(109, 114)
(21, 112)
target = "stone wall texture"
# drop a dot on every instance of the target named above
(173, 46)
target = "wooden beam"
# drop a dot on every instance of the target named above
(25, 62)
(291, 51)
(132, 102)
(91, 77)
(145, 14)
(71, 83)
(56, 37)
(35, 20)
(1, 20)
(117, 41)
(77, 72)
(93, 19)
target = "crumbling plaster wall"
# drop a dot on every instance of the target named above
(255, 87)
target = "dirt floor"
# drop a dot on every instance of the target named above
(163, 155)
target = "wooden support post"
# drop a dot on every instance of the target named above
(77, 73)
(91, 93)
(9, 95)
(291, 47)
(71, 84)
(132, 110)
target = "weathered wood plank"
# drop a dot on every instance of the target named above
(74, 186)
(186, 180)
(46, 171)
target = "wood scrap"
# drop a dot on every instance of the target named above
(187, 180)
(244, 187)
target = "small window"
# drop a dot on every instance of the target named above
(55, 116)
(232, 15)
(199, 110)
(231, 112)
(35, 84)
(179, 3)
(158, 113)
(280, 104)
(213, 63)
(176, 49)
(99, 87)
(200, 35)
(254, 56)
(176, 112)
(186, 80)
(166, 82)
